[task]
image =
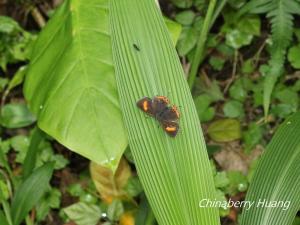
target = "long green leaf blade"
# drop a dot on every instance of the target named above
(277, 178)
(175, 172)
(31, 155)
(30, 192)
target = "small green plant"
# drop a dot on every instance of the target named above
(281, 15)
(19, 194)
(14, 42)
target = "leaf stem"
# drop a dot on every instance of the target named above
(30, 159)
(38, 17)
(198, 57)
(217, 11)
(235, 62)
(6, 209)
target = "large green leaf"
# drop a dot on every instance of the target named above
(277, 178)
(175, 172)
(70, 83)
(30, 192)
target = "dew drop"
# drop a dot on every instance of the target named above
(112, 159)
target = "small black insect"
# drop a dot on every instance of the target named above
(159, 108)
(136, 47)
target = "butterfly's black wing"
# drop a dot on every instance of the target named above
(145, 104)
(169, 114)
(170, 127)
(158, 108)
(159, 104)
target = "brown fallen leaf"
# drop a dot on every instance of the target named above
(110, 186)
(232, 158)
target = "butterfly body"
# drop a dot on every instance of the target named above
(159, 108)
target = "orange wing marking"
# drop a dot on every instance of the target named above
(145, 105)
(171, 128)
(175, 109)
(164, 99)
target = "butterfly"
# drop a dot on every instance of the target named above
(159, 108)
